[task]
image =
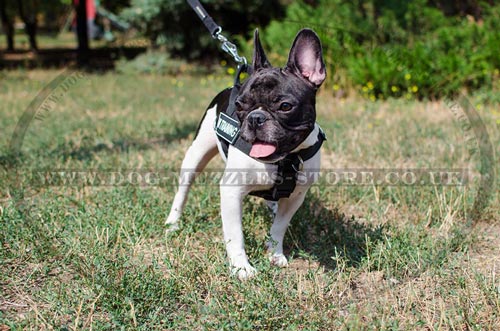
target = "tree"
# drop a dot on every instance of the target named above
(7, 25)
(173, 25)
(81, 27)
(27, 10)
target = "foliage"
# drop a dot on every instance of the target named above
(395, 49)
(152, 63)
(173, 24)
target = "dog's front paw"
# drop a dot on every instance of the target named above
(171, 225)
(172, 222)
(245, 272)
(171, 228)
(278, 260)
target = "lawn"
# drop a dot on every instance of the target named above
(362, 257)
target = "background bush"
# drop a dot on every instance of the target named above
(396, 49)
(390, 48)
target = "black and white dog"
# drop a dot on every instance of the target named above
(276, 111)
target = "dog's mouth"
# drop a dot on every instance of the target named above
(262, 149)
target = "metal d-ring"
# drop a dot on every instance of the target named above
(301, 164)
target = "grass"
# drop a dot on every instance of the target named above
(65, 39)
(361, 257)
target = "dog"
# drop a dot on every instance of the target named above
(275, 108)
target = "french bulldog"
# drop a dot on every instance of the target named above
(277, 115)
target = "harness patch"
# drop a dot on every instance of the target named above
(227, 128)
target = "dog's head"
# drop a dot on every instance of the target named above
(276, 106)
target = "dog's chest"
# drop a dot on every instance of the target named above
(250, 171)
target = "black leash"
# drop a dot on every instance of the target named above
(227, 126)
(213, 27)
(215, 30)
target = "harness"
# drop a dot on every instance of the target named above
(227, 128)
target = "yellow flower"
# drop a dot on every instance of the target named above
(180, 84)
(365, 89)
(336, 87)
(407, 76)
(479, 106)
(414, 88)
(372, 97)
(394, 88)
(223, 63)
(231, 71)
(408, 96)
(369, 85)
(498, 121)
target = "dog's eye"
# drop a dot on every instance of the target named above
(285, 106)
(238, 105)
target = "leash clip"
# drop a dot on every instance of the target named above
(300, 166)
(215, 31)
(229, 47)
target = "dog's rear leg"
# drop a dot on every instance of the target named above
(201, 151)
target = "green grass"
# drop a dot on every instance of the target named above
(361, 257)
(66, 39)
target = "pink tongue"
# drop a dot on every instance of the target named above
(262, 150)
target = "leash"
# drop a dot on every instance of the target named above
(216, 32)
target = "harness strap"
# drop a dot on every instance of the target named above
(288, 169)
(309, 152)
(230, 119)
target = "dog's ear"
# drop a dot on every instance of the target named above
(259, 57)
(306, 57)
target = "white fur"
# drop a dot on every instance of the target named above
(203, 148)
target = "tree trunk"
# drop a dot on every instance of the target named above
(81, 26)
(30, 23)
(7, 24)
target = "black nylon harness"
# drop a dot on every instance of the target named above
(227, 129)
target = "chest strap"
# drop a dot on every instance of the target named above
(288, 169)
(228, 125)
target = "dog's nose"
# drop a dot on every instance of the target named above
(256, 118)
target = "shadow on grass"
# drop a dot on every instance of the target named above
(328, 236)
(125, 145)
(89, 147)
(9, 160)
(97, 59)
